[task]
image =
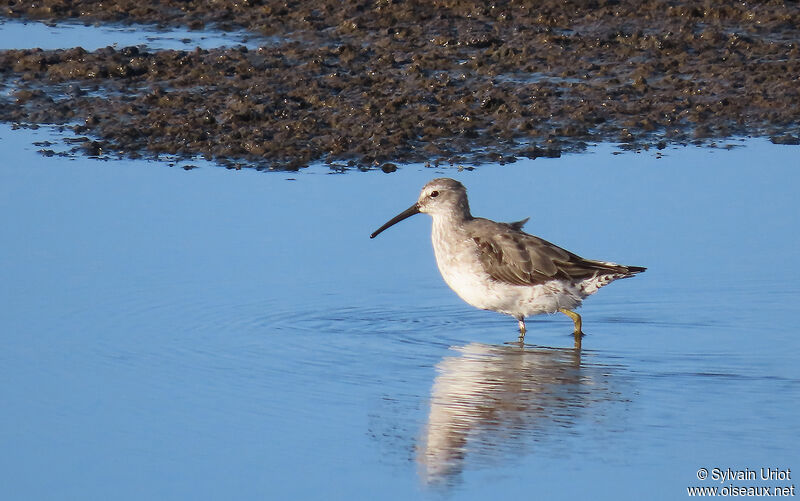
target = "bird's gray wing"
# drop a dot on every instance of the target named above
(517, 258)
(517, 225)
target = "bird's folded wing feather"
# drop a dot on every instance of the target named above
(517, 225)
(518, 258)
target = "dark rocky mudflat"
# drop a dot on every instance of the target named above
(367, 83)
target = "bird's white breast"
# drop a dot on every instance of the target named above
(457, 259)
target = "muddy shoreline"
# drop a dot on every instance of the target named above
(370, 84)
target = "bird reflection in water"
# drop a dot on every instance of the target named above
(488, 402)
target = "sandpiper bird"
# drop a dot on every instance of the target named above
(497, 266)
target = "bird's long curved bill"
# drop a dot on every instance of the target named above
(414, 209)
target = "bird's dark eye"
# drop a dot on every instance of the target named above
(434, 194)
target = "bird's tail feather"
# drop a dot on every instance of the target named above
(605, 267)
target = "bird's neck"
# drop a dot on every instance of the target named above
(452, 220)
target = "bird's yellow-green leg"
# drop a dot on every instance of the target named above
(575, 318)
(522, 329)
(578, 342)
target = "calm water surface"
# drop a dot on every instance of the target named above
(17, 34)
(216, 334)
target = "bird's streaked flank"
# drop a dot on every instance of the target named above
(497, 266)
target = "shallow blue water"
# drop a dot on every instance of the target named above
(233, 334)
(17, 34)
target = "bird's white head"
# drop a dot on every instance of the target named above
(442, 197)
